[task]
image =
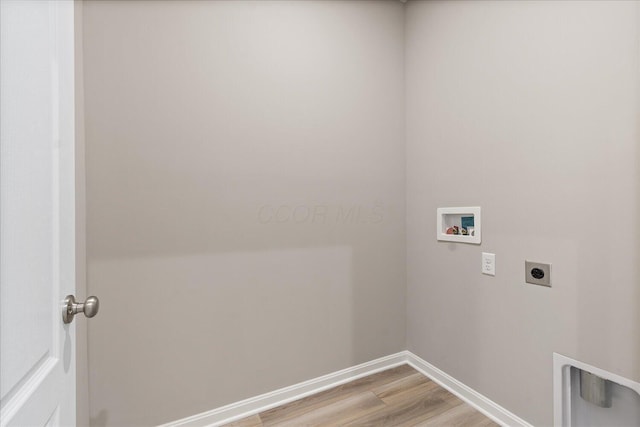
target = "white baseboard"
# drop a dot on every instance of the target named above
(483, 404)
(263, 402)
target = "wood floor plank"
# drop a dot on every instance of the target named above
(411, 409)
(403, 413)
(415, 390)
(299, 407)
(460, 416)
(253, 421)
(338, 413)
(407, 383)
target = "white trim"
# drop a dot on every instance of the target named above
(481, 403)
(263, 402)
(562, 385)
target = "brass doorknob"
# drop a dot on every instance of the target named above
(90, 308)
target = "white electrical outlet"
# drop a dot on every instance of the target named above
(488, 264)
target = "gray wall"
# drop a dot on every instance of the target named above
(245, 198)
(530, 110)
(246, 195)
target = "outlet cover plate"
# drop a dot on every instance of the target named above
(488, 264)
(530, 266)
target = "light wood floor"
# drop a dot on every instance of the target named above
(397, 397)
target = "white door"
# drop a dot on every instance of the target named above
(37, 220)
